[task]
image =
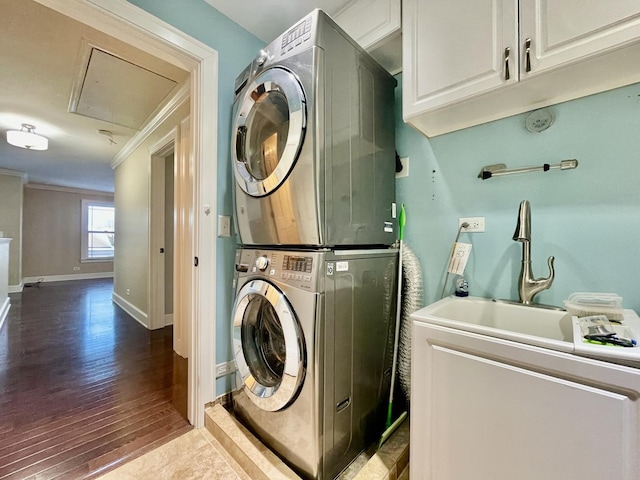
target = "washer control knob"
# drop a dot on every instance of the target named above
(263, 57)
(262, 263)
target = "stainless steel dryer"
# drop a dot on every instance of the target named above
(311, 333)
(313, 144)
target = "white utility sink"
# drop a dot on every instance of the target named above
(530, 325)
(503, 387)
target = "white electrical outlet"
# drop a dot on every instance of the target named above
(76, 268)
(223, 369)
(476, 224)
(128, 291)
(405, 168)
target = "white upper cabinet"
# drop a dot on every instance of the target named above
(449, 59)
(560, 32)
(467, 62)
(376, 26)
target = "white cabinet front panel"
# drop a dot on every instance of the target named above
(450, 56)
(562, 32)
(491, 409)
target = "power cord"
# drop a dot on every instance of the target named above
(446, 278)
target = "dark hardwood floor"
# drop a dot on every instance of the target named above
(83, 386)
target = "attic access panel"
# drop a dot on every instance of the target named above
(119, 92)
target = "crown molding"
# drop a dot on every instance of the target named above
(58, 188)
(15, 173)
(178, 99)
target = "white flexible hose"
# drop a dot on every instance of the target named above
(412, 300)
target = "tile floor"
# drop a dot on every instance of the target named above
(194, 455)
(213, 453)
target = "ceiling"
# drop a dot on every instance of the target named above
(54, 70)
(270, 18)
(56, 64)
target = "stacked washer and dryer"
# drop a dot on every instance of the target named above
(314, 163)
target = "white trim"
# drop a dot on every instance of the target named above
(56, 188)
(16, 288)
(133, 311)
(4, 311)
(157, 186)
(68, 277)
(168, 319)
(170, 107)
(165, 145)
(14, 173)
(139, 28)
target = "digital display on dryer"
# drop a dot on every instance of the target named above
(297, 264)
(296, 35)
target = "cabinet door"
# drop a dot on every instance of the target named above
(489, 409)
(455, 50)
(561, 32)
(370, 22)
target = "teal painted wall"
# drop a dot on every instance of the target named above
(236, 48)
(588, 218)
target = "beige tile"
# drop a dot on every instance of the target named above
(405, 474)
(390, 459)
(160, 456)
(204, 463)
(190, 456)
(225, 454)
(254, 458)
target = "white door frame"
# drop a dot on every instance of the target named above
(157, 186)
(139, 28)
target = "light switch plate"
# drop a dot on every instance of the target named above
(224, 226)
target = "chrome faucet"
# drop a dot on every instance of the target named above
(528, 286)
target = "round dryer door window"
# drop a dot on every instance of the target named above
(268, 345)
(268, 131)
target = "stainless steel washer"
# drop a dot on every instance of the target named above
(311, 333)
(313, 142)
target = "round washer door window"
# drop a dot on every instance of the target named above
(268, 345)
(268, 131)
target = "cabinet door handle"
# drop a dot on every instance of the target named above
(527, 55)
(507, 75)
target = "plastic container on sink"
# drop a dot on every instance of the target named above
(586, 304)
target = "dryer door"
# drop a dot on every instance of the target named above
(268, 345)
(268, 131)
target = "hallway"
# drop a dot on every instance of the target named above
(83, 386)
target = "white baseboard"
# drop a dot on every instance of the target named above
(4, 311)
(64, 278)
(168, 319)
(141, 317)
(16, 288)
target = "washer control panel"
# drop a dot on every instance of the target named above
(296, 267)
(293, 268)
(262, 262)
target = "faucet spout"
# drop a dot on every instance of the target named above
(523, 227)
(528, 285)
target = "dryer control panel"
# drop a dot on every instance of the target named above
(296, 35)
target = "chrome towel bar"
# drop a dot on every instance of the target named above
(500, 169)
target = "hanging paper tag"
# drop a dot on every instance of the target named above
(459, 257)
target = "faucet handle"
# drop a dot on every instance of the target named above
(552, 271)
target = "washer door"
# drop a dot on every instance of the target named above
(268, 131)
(268, 345)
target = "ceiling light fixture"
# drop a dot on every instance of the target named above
(27, 138)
